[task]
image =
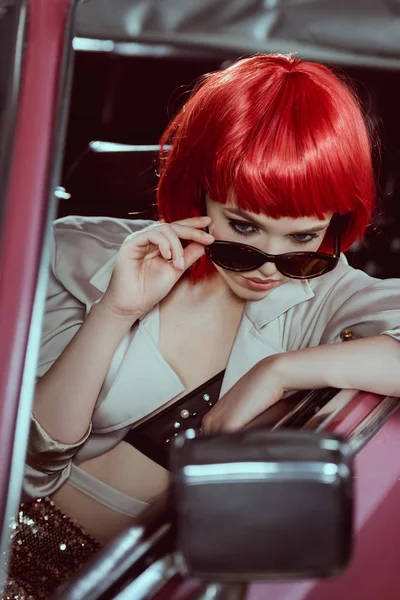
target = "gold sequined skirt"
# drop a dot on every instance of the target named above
(47, 547)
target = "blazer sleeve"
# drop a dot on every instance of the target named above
(48, 461)
(372, 310)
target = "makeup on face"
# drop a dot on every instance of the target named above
(295, 241)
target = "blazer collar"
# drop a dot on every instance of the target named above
(101, 278)
(280, 300)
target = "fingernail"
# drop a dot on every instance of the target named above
(180, 263)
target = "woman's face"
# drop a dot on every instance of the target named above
(273, 236)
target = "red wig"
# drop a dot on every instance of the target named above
(286, 136)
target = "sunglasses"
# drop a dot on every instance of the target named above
(233, 256)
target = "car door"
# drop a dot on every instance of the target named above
(36, 53)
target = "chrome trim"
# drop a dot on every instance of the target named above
(61, 193)
(330, 411)
(223, 591)
(307, 402)
(261, 471)
(365, 430)
(98, 146)
(8, 115)
(373, 422)
(116, 563)
(143, 49)
(150, 582)
(293, 412)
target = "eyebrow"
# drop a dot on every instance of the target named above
(254, 221)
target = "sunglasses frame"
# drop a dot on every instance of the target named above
(332, 259)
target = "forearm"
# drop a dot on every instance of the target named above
(369, 364)
(66, 395)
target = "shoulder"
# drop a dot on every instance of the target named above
(96, 230)
(315, 311)
(350, 298)
(345, 282)
(84, 245)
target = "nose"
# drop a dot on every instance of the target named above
(268, 271)
(272, 246)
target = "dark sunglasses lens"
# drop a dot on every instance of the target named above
(243, 258)
(234, 257)
(303, 266)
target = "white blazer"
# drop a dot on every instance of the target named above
(296, 315)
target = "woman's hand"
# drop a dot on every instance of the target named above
(256, 391)
(150, 262)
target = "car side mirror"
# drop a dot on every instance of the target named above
(253, 505)
(258, 505)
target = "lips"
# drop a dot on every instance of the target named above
(257, 284)
(258, 280)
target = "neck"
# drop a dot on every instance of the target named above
(214, 288)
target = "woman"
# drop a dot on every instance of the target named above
(271, 153)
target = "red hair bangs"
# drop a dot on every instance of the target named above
(286, 137)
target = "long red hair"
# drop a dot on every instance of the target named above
(287, 136)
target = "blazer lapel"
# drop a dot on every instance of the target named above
(249, 348)
(259, 334)
(144, 381)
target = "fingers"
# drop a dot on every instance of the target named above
(175, 246)
(185, 232)
(191, 253)
(157, 241)
(175, 232)
(201, 222)
(210, 424)
(166, 241)
(258, 390)
(221, 424)
(160, 241)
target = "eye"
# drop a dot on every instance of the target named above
(242, 227)
(304, 238)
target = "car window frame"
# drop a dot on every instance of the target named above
(36, 142)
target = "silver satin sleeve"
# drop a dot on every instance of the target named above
(48, 462)
(373, 310)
